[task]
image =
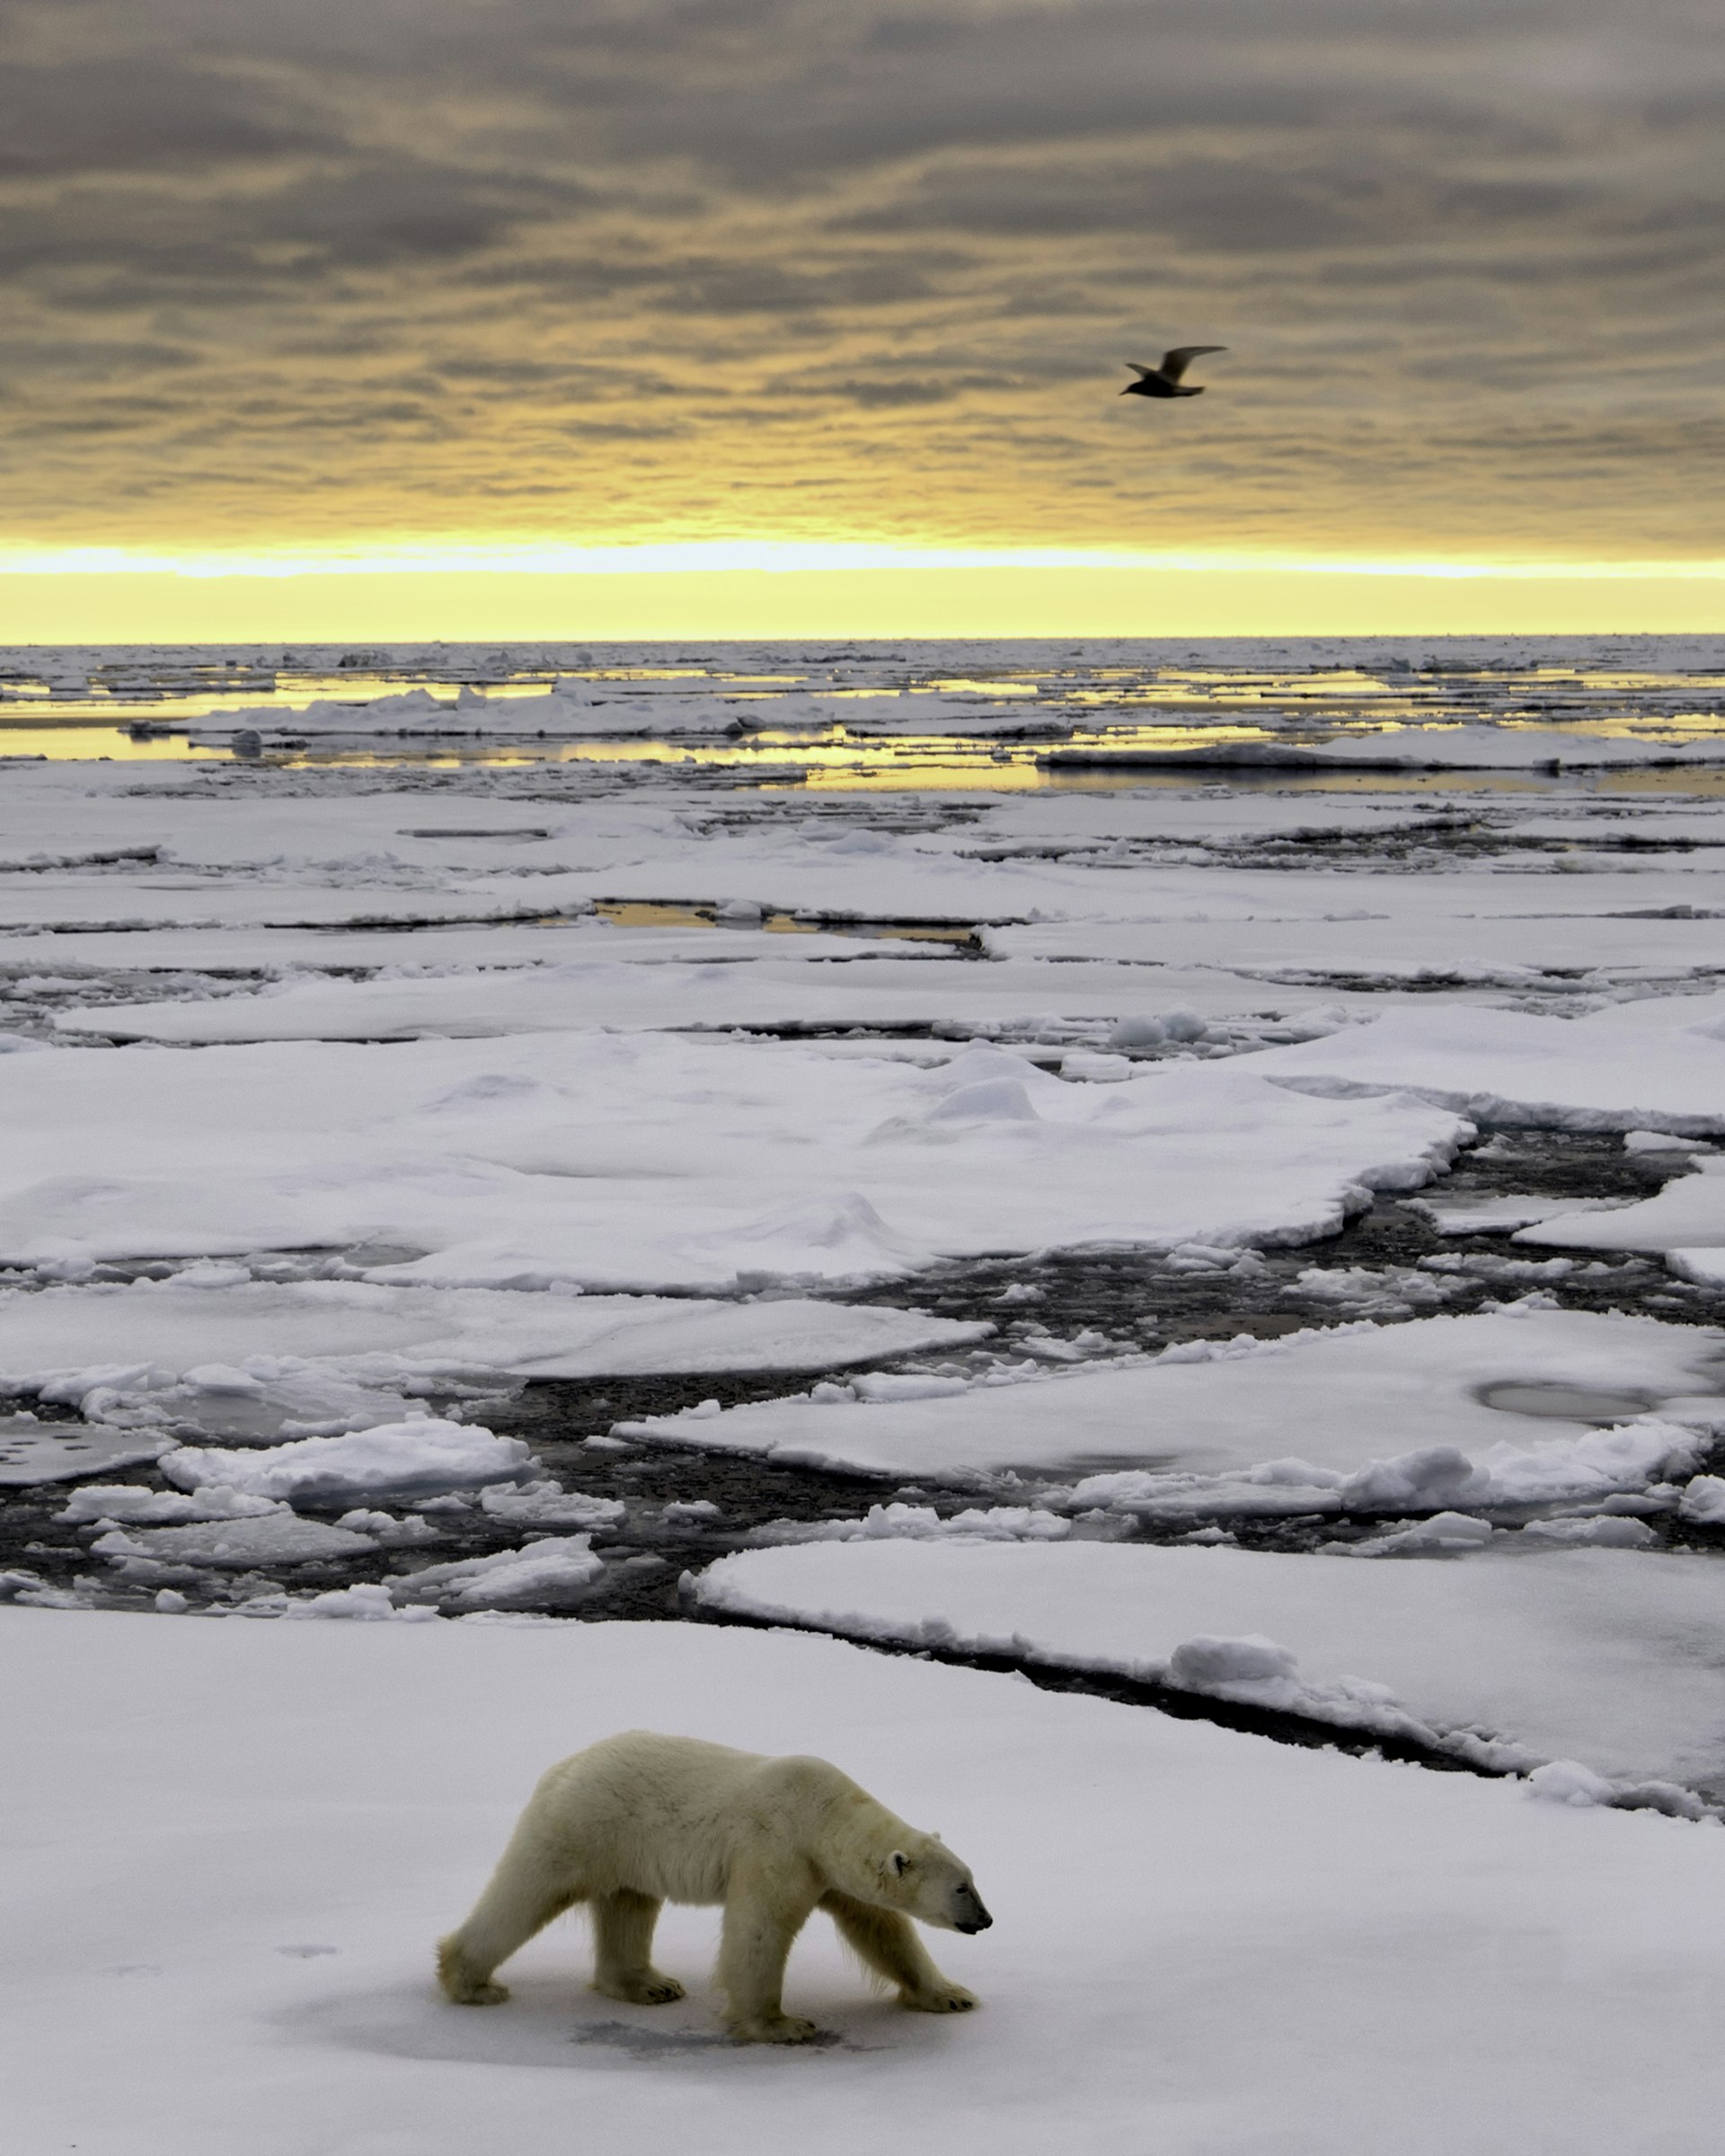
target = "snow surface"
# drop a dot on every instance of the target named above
(654, 1160)
(1156, 1432)
(1293, 1949)
(1510, 1657)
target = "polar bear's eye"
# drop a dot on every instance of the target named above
(899, 1862)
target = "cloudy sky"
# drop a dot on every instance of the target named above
(325, 275)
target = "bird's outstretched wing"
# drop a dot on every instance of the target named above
(1143, 373)
(1175, 363)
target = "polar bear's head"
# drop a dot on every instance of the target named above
(921, 1877)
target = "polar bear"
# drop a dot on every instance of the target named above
(639, 1820)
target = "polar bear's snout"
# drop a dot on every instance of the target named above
(968, 1912)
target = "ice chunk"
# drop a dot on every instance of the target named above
(550, 1504)
(1443, 1534)
(125, 1504)
(557, 1570)
(387, 1528)
(1704, 1501)
(279, 1539)
(403, 1459)
(1603, 1532)
(33, 1450)
(368, 1604)
(886, 1385)
(899, 1521)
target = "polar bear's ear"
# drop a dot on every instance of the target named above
(899, 1863)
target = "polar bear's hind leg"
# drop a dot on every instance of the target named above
(622, 1950)
(520, 1901)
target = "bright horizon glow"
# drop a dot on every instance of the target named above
(791, 557)
(365, 603)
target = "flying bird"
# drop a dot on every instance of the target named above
(1165, 381)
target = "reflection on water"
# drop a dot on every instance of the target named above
(64, 742)
(837, 762)
(141, 705)
(645, 913)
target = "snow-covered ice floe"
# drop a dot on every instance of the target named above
(1655, 1064)
(33, 1451)
(656, 1161)
(1509, 1658)
(276, 1537)
(422, 1457)
(247, 1359)
(573, 708)
(1500, 1407)
(1186, 1917)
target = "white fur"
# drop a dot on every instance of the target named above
(639, 1820)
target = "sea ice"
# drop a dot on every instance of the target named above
(1509, 1398)
(1509, 1655)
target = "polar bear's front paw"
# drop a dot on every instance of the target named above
(651, 1987)
(780, 2028)
(946, 1998)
